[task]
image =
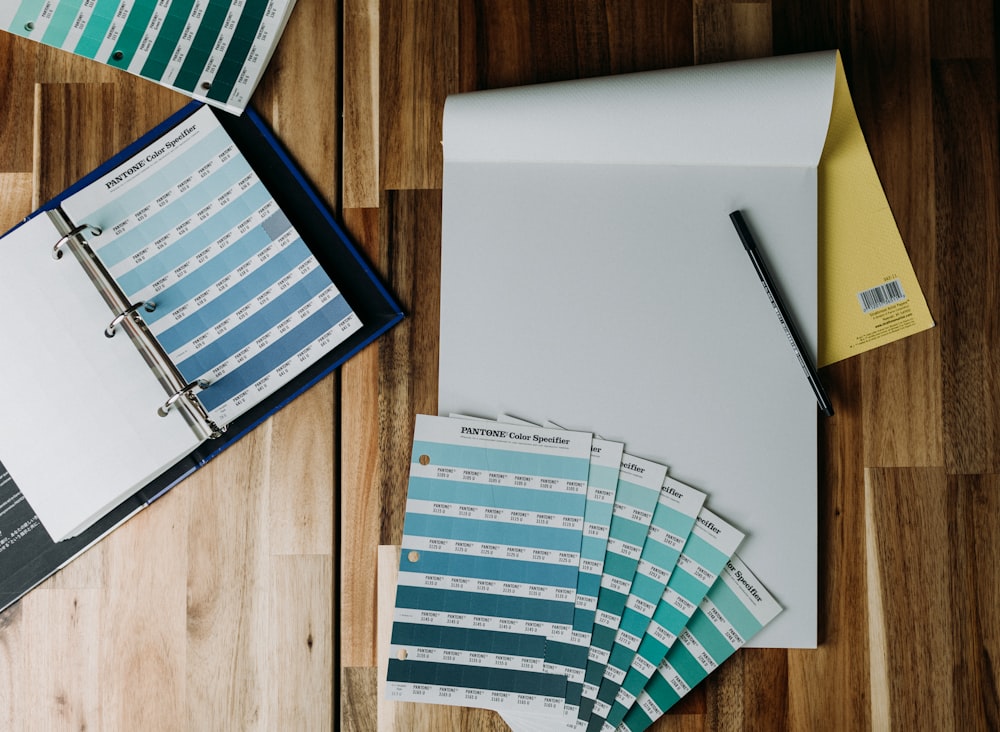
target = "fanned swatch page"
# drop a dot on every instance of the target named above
(678, 508)
(489, 564)
(735, 608)
(602, 488)
(214, 50)
(639, 486)
(710, 545)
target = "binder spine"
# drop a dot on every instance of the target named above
(127, 317)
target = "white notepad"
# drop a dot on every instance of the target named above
(586, 240)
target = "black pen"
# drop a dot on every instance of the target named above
(782, 312)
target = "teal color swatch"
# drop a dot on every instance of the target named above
(734, 610)
(602, 485)
(211, 49)
(672, 523)
(638, 492)
(711, 544)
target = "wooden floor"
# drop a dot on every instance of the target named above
(246, 598)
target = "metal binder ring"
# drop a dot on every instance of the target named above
(75, 231)
(168, 405)
(148, 305)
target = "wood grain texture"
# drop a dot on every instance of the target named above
(299, 95)
(936, 591)
(17, 89)
(301, 642)
(248, 597)
(414, 78)
(16, 193)
(361, 104)
(360, 495)
(966, 212)
(130, 596)
(730, 31)
(411, 235)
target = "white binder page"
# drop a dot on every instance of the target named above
(79, 431)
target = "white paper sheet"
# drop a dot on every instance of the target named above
(765, 112)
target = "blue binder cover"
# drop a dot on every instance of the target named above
(27, 552)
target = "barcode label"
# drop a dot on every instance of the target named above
(879, 297)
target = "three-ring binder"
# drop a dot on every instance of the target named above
(127, 316)
(132, 310)
(75, 231)
(187, 392)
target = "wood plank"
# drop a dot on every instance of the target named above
(730, 31)
(359, 515)
(300, 625)
(495, 44)
(819, 25)
(71, 124)
(360, 479)
(386, 575)
(959, 30)
(557, 40)
(930, 586)
(838, 664)
(418, 68)
(750, 685)
(913, 439)
(57, 684)
(299, 94)
(527, 43)
(968, 225)
(301, 474)
(143, 630)
(411, 237)
(16, 190)
(15, 704)
(650, 34)
(359, 701)
(361, 104)
(227, 578)
(17, 58)
(973, 502)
